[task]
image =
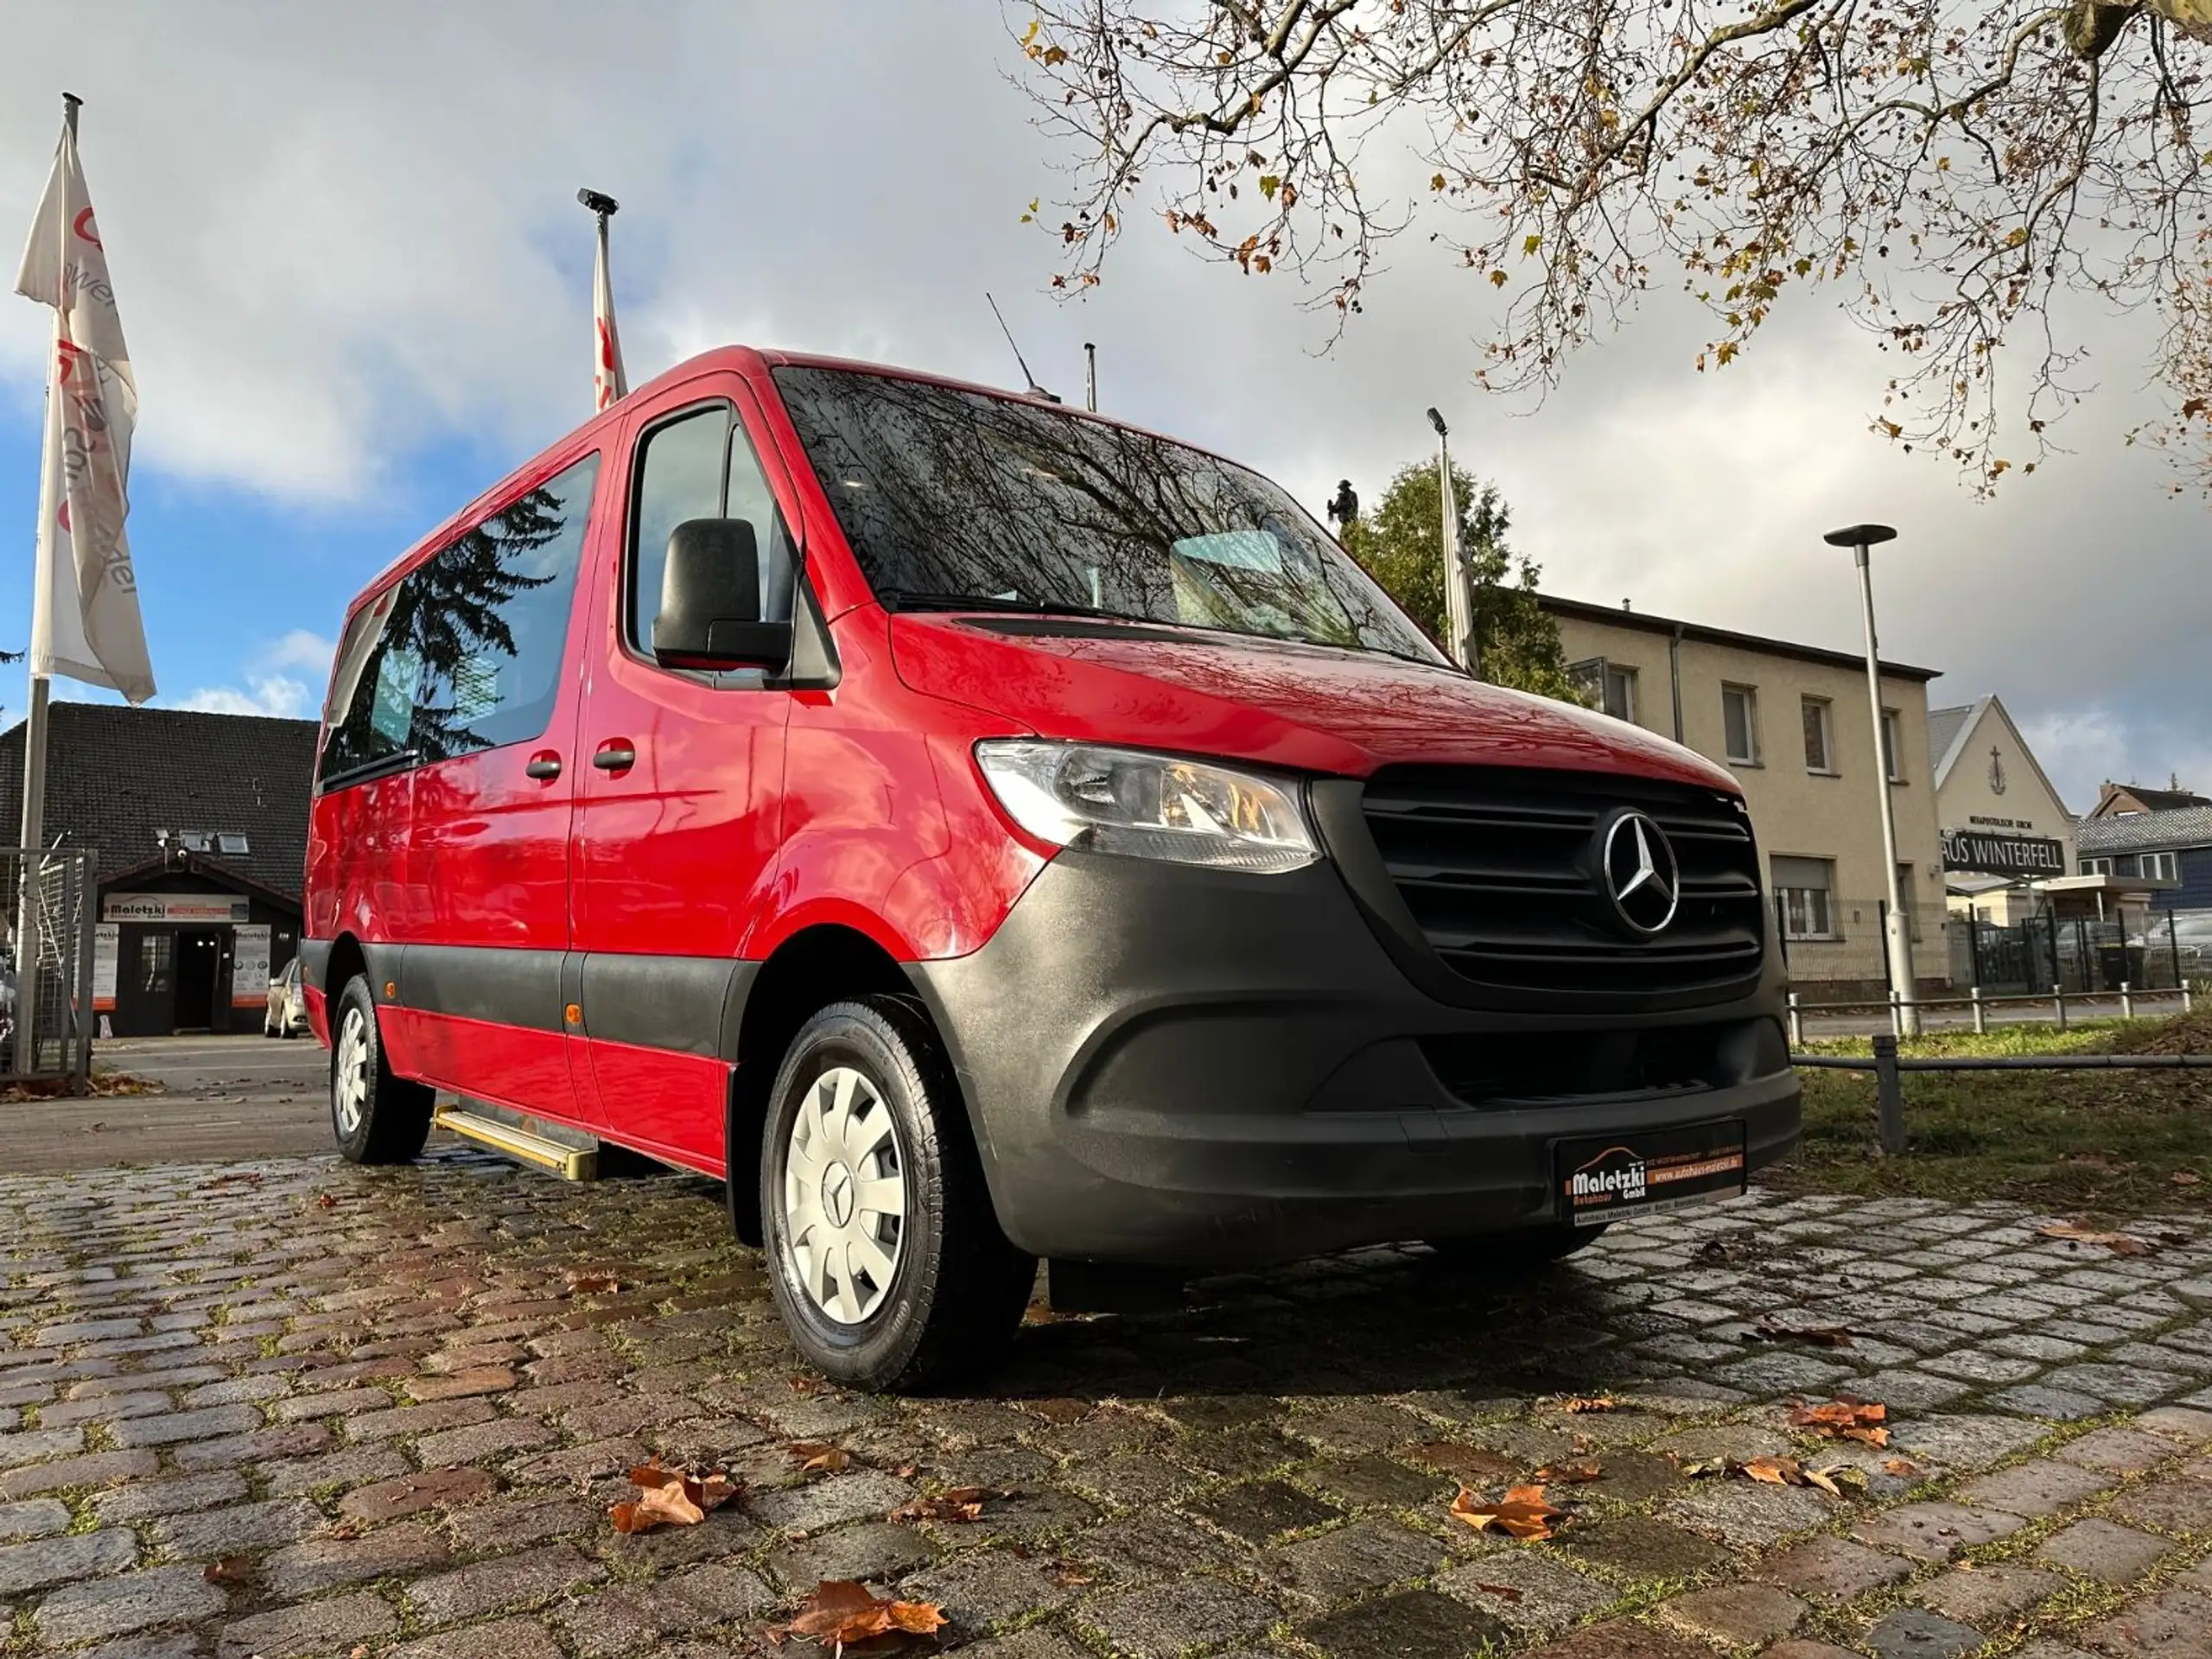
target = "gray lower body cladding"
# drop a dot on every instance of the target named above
(1198, 1068)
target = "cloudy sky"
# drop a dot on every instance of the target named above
(356, 284)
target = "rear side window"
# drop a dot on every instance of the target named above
(701, 466)
(371, 702)
(489, 617)
(464, 654)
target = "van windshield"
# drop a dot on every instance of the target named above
(953, 499)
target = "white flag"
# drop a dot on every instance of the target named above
(608, 380)
(85, 614)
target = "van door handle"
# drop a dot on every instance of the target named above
(616, 754)
(545, 768)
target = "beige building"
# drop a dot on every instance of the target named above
(1791, 722)
(2005, 832)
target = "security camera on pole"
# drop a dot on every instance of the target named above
(1459, 603)
(1897, 924)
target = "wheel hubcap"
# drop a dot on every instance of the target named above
(844, 1197)
(349, 1072)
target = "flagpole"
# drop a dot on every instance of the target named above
(34, 827)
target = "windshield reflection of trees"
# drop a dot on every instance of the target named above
(943, 491)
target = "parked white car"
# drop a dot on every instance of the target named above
(288, 1010)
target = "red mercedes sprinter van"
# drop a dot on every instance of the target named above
(977, 830)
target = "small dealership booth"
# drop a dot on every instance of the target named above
(187, 950)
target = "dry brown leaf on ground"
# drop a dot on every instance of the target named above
(802, 1383)
(1569, 1474)
(844, 1610)
(2119, 1243)
(2179, 1178)
(231, 1569)
(1503, 1591)
(670, 1497)
(324, 1201)
(1904, 1468)
(1820, 1336)
(1844, 1419)
(1601, 1403)
(1775, 1471)
(819, 1457)
(593, 1284)
(960, 1504)
(1072, 1575)
(1522, 1513)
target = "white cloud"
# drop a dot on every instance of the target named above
(266, 693)
(269, 689)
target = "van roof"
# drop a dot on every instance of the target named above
(742, 359)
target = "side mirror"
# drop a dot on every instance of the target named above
(710, 601)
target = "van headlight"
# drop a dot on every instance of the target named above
(1139, 805)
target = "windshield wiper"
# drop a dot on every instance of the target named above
(917, 598)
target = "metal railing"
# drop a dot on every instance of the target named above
(2059, 1001)
(51, 972)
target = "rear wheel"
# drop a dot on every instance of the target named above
(378, 1118)
(1531, 1250)
(885, 1256)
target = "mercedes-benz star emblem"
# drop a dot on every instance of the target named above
(1639, 873)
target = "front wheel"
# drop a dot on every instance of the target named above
(1515, 1254)
(378, 1118)
(886, 1260)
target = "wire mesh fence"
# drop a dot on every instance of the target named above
(46, 978)
(1836, 946)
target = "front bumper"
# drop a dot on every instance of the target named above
(1196, 1068)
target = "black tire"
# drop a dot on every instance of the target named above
(957, 1287)
(1513, 1255)
(392, 1116)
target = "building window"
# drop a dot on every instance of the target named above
(195, 841)
(2096, 866)
(154, 961)
(2162, 866)
(1739, 719)
(1820, 754)
(1607, 685)
(1892, 746)
(235, 845)
(1802, 892)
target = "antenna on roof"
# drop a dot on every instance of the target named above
(1035, 390)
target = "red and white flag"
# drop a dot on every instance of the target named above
(85, 620)
(609, 382)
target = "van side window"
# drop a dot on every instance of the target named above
(702, 466)
(489, 617)
(372, 702)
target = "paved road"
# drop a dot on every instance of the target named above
(395, 1405)
(222, 1097)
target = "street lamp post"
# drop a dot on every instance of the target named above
(1898, 925)
(1459, 603)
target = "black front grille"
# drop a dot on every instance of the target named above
(1499, 868)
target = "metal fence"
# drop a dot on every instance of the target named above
(52, 973)
(1836, 942)
(2082, 955)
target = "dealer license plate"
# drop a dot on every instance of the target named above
(1603, 1179)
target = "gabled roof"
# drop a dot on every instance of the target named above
(1946, 732)
(1646, 623)
(2149, 800)
(1950, 731)
(2135, 832)
(116, 775)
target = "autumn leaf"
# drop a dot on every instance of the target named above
(843, 1611)
(324, 1201)
(1504, 1591)
(593, 1284)
(2185, 1178)
(1844, 1419)
(1569, 1474)
(1522, 1513)
(819, 1457)
(1601, 1403)
(1904, 1468)
(803, 1384)
(231, 1569)
(1053, 56)
(2119, 1243)
(960, 1504)
(1269, 183)
(670, 1497)
(1775, 1471)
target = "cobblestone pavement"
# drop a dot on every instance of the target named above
(386, 1402)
